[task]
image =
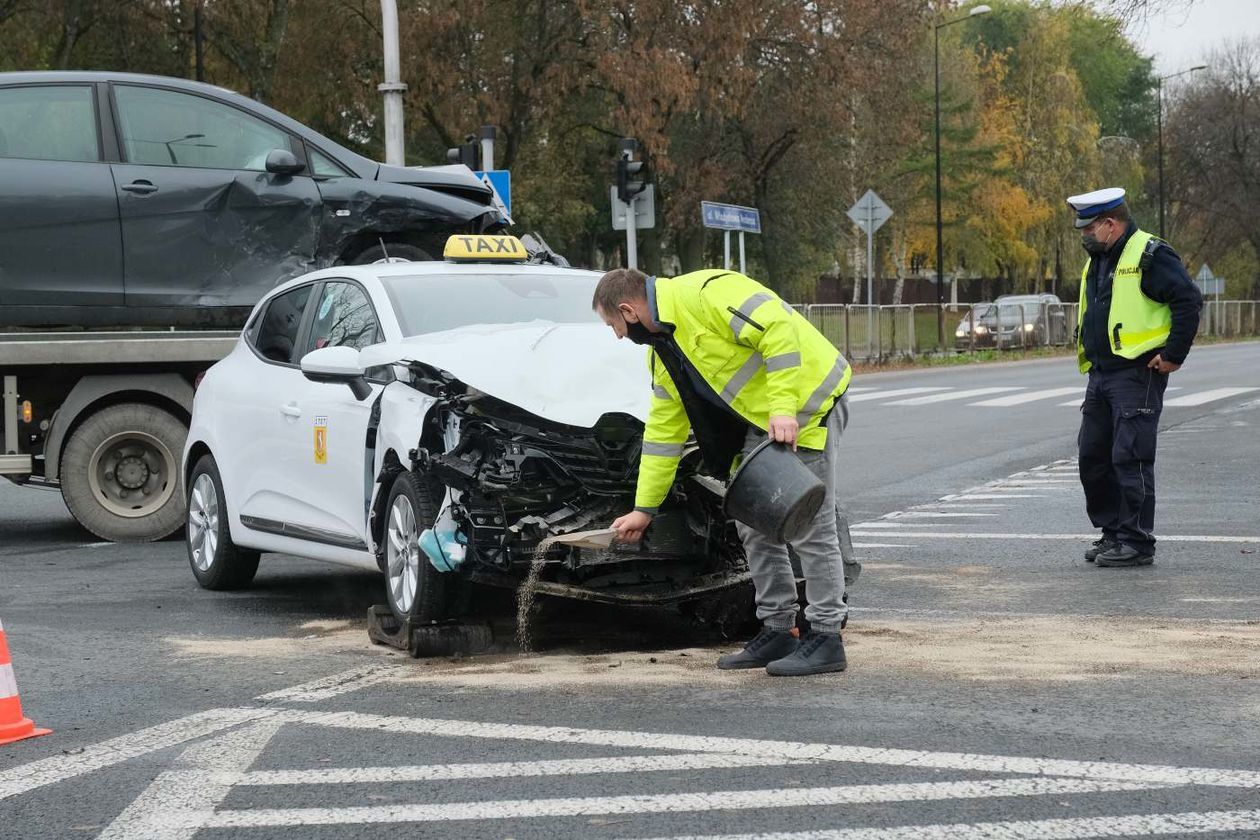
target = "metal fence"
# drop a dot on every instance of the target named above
(882, 333)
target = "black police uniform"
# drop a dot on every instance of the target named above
(1124, 398)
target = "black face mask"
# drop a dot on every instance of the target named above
(1092, 245)
(636, 332)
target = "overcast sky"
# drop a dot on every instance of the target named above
(1181, 38)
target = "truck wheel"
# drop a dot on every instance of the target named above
(392, 252)
(120, 473)
(216, 561)
(414, 589)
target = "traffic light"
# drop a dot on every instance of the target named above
(466, 153)
(631, 179)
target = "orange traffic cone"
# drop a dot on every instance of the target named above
(13, 727)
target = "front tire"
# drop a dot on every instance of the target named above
(415, 591)
(120, 473)
(216, 561)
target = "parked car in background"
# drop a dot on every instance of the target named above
(1026, 320)
(133, 200)
(977, 328)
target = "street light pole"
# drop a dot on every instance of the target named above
(940, 238)
(1159, 122)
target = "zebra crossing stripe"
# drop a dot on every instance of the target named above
(1207, 396)
(1033, 396)
(954, 395)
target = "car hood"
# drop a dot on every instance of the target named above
(568, 373)
(455, 178)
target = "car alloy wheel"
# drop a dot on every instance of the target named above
(403, 555)
(203, 522)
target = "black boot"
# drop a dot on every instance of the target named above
(1098, 547)
(765, 647)
(1124, 555)
(819, 653)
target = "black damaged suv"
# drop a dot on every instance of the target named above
(144, 200)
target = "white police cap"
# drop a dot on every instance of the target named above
(1088, 205)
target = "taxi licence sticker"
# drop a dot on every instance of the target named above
(321, 440)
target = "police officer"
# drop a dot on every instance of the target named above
(733, 364)
(1139, 312)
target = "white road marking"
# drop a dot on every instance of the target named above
(927, 514)
(328, 687)
(954, 535)
(58, 768)
(978, 496)
(895, 392)
(1207, 396)
(179, 802)
(725, 800)
(953, 395)
(1020, 399)
(882, 545)
(885, 523)
(1079, 828)
(512, 769)
(1138, 773)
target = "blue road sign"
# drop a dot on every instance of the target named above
(730, 217)
(499, 180)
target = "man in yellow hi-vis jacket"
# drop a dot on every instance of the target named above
(732, 363)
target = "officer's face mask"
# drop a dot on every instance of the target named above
(1092, 244)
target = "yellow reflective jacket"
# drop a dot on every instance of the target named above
(1135, 323)
(760, 356)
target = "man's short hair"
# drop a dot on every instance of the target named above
(1121, 214)
(618, 286)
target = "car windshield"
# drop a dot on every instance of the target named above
(435, 302)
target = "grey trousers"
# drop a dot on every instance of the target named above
(825, 550)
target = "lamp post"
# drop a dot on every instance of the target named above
(940, 241)
(1159, 120)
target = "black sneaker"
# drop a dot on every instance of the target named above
(765, 647)
(1098, 547)
(1124, 555)
(819, 653)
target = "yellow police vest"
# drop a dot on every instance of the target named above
(759, 355)
(1135, 323)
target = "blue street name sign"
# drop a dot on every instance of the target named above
(730, 217)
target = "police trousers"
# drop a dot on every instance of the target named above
(822, 549)
(1119, 425)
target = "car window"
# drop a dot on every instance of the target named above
(345, 318)
(56, 122)
(323, 166)
(167, 128)
(276, 332)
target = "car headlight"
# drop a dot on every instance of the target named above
(960, 334)
(1029, 327)
(982, 330)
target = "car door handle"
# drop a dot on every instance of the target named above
(291, 410)
(139, 187)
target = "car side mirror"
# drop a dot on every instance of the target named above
(283, 162)
(333, 365)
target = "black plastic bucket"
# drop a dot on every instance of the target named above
(774, 493)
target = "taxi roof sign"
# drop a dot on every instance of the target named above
(483, 248)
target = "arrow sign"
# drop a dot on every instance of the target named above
(870, 212)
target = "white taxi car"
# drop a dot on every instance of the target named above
(436, 421)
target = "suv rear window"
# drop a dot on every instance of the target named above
(51, 122)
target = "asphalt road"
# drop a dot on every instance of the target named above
(999, 686)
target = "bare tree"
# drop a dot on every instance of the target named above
(1214, 132)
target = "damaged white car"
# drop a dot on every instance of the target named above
(437, 421)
